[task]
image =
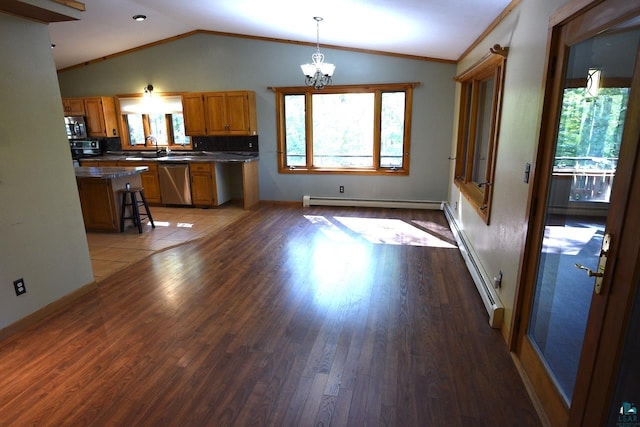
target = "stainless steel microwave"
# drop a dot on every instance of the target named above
(76, 127)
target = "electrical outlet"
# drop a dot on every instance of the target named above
(19, 286)
(342, 188)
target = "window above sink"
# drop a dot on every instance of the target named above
(154, 122)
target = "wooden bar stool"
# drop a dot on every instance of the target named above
(135, 204)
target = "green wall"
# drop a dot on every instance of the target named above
(42, 233)
(205, 62)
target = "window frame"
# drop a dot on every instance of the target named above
(124, 126)
(377, 90)
(479, 195)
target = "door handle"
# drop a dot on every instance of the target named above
(589, 271)
(602, 263)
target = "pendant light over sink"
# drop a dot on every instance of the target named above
(318, 73)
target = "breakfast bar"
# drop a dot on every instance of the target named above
(98, 188)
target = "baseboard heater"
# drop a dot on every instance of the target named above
(483, 283)
(370, 203)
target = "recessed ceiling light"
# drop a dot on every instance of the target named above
(139, 17)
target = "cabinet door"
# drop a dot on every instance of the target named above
(193, 113)
(73, 106)
(237, 113)
(214, 108)
(151, 186)
(202, 184)
(149, 180)
(95, 117)
(101, 116)
(110, 116)
(201, 189)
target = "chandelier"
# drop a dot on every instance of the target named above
(318, 73)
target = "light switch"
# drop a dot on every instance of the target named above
(527, 172)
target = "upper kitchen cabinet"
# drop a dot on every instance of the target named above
(99, 111)
(101, 116)
(220, 113)
(193, 114)
(73, 106)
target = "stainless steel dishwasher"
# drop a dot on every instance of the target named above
(175, 188)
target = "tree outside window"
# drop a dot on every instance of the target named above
(348, 129)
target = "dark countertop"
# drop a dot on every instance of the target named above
(179, 157)
(108, 172)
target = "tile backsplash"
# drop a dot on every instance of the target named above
(200, 143)
(225, 143)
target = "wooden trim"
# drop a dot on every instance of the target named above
(535, 400)
(250, 185)
(547, 392)
(597, 370)
(523, 293)
(479, 66)
(387, 87)
(127, 51)
(596, 374)
(45, 311)
(376, 90)
(267, 39)
(72, 4)
(32, 12)
(124, 126)
(491, 66)
(570, 10)
(507, 10)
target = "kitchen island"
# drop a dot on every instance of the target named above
(99, 190)
(215, 177)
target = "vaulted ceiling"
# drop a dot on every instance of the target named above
(440, 29)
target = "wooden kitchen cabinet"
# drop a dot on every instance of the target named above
(73, 106)
(98, 202)
(220, 113)
(193, 114)
(150, 181)
(100, 112)
(203, 184)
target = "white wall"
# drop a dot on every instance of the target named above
(42, 236)
(205, 62)
(500, 244)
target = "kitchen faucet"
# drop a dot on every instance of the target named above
(154, 141)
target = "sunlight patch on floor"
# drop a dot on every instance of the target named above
(567, 240)
(392, 232)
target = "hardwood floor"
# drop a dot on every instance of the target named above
(111, 252)
(289, 316)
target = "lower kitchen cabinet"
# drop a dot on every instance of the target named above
(150, 181)
(203, 184)
(99, 207)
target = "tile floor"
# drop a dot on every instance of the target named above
(111, 252)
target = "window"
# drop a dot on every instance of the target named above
(147, 124)
(344, 129)
(589, 137)
(478, 127)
